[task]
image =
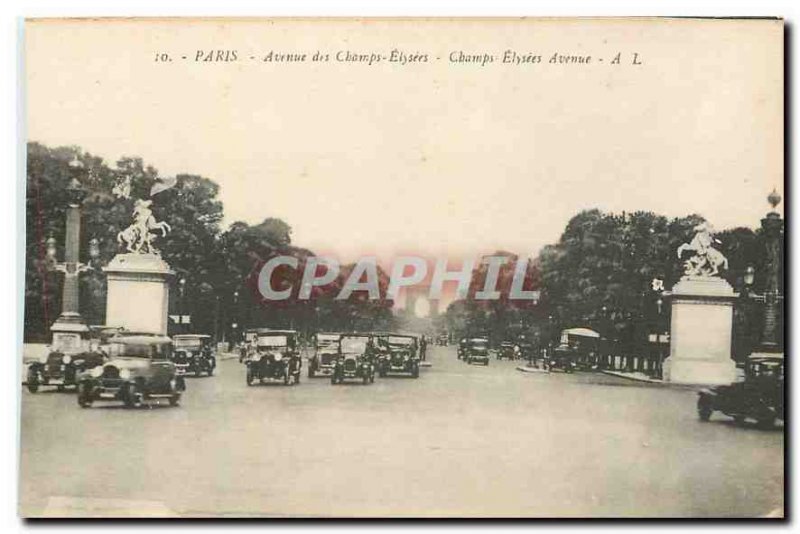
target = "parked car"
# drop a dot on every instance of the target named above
(194, 353)
(139, 369)
(326, 350)
(477, 351)
(759, 396)
(506, 350)
(355, 359)
(560, 358)
(275, 357)
(70, 355)
(399, 354)
(441, 340)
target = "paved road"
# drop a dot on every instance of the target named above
(461, 440)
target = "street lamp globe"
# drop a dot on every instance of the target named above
(749, 276)
(774, 198)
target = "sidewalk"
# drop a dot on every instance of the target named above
(639, 377)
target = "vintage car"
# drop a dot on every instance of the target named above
(326, 350)
(398, 353)
(477, 351)
(560, 358)
(276, 357)
(462, 347)
(70, 355)
(507, 350)
(759, 396)
(194, 353)
(441, 340)
(139, 369)
(355, 359)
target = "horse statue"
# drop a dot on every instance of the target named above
(706, 260)
(139, 236)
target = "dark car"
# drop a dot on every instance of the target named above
(139, 369)
(507, 350)
(441, 340)
(759, 396)
(461, 348)
(62, 365)
(398, 353)
(561, 358)
(477, 351)
(355, 359)
(326, 350)
(276, 357)
(194, 353)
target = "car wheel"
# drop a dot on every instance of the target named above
(84, 395)
(372, 377)
(33, 381)
(210, 370)
(286, 377)
(175, 393)
(132, 397)
(415, 371)
(704, 410)
(180, 383)
(249, 377)
(365, 379)
(311, 371)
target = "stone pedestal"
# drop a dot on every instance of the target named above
(701, 334)
(138, 293)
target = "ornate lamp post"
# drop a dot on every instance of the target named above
(70, 321)
(772, 227)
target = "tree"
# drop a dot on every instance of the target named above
(191, 208)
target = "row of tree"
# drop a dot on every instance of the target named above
(600, 275)
(216, 269)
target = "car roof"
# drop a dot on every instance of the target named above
(273, 331)
(142, 340)
(191, 336)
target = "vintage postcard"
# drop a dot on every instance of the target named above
(433, 268)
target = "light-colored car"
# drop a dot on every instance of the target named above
(139, 369)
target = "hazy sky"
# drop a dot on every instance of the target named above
(438, 158)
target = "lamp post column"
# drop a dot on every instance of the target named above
(772, 226)
(70, 319)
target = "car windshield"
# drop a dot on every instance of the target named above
(183, 343)
(272, 341)
(397, 340)
(139, 350)
(326, 340)
(354, 345)
(479, 343)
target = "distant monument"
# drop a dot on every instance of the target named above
(138, 279)
(702, 316)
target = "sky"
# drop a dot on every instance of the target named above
(438, 159)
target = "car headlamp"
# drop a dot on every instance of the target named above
(67, 359)
(125, 374)
(97, 371)
(277, 357)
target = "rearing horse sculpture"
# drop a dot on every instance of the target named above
(138, 237)
(707, 260)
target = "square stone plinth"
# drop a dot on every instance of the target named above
(701, 336)
(138, 293)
